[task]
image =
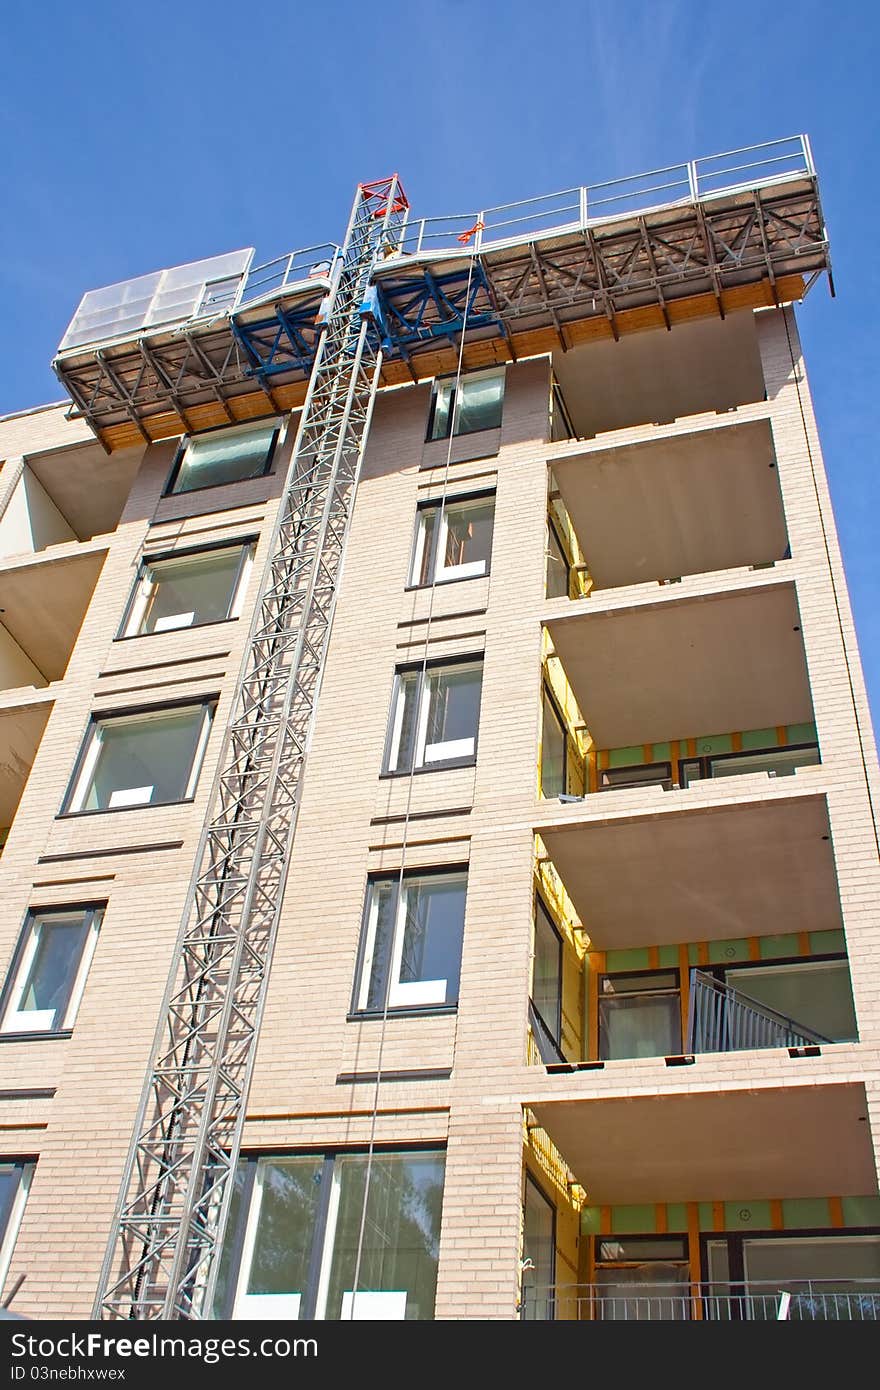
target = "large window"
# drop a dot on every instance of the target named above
(49, 970)
(816, 994)
(639, 1015)
(453, 540)
(642, 1278)
(15, 1181)
(547, 973)
(299, 1224)
(539, 1255)
(223, 456)
(476, 404)
(435, 713)
(558, 568)
(412, 937)
(143, 759)
(829, 1276)
(554, 780)
(188, 590)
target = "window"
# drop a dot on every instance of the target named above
(539, 1248)
(815, 994)
(639, 775)
(223, 456)
(547, 973)
(558, 574)
(49, 970)
(143, 759)
(830, 1277)
(453, 540)
(776, 762)
(639, 1015)
(15, 1181)
(554, 781)
(412, 935)
(189, 590)
(297, 1224)
(434, 716)
(642, 1278)
(476, 404)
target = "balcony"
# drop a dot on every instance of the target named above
(64, 495)
(730, 1206)
(649, 674)
(23, 722)
(655, 511)
(656, 377)
(727, 938)
(43, 601)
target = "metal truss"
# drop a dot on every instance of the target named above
(524, 277)
(176, 1188)
(286, 341)
(435, 305)
(704, 247)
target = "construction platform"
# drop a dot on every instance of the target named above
(223, 341)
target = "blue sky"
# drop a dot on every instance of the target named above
(141, 136)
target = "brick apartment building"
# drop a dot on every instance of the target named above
(573, 1008)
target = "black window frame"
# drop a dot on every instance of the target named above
(170, 489)
(529, 1178)
(328, 1157)
(639, 974)
(736, 1281)
(548, 694)
(358, 1015)
(245, 544)
(440, 504)
(430, 437)
(662, 779)
(423, 669)
(541, 906)
(98, 905)
(553, 531)
(706, 760)
(126, 712)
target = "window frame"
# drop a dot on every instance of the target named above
(366, 947)
(541, 906)
(452, 432)
(530, 1181)
(170, 489)
(548, 696)
(450, 576)
(553, 535)
(706, 760)
(9, 1233)
(395, 720)
(662, 777)
(89, 748)
(319, 1257)
(18, 974)
(623, 975)
(247, 546)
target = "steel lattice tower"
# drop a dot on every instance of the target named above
(176, 1189)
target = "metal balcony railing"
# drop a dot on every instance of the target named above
(796, 1300)
(721, 1019)
(576, 209)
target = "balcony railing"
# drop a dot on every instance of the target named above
(724, 1020)
(796, 1300)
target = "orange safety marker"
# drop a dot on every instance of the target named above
(465, 237)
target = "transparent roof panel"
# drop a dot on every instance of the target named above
(165, 296)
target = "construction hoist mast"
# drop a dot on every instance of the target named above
(175, 1192)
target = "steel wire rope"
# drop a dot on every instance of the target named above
(371, 1149)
